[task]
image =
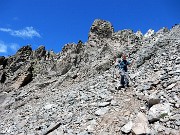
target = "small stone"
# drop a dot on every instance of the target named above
(175, 117)
(49, 106)
(177, 123)
(164, 119)
(177, 105)
(158, 127)
(177, 71)
(172, 101)
(171, 86)
(114, 103)
(156, 82)
(82, 132)
(153, 101)
(108, 99)
(127, 100)
(167, 131)
(176, 127)
(171, 72)
(127, 113)
(143, 107)
(103, 104)
(92, 125)
(90, 128)
(139, 95)
(101, 111)
(127, 128)
(147, 87)
(21, 134)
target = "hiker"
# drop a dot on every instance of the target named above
(123, 68)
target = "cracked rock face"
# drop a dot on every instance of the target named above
(101, 29)
(73, 92)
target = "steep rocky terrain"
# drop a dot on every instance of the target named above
(73, 92)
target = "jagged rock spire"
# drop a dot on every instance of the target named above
(101, 29)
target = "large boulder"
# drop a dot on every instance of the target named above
(22, 80)
(158, 111)
(23, 77)
(145, 54)
(104, 65)
(140, 125)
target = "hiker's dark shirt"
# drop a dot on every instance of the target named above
(123, 65)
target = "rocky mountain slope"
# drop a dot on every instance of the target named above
(73, 92)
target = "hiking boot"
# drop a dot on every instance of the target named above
(121, 87)
(127, 84)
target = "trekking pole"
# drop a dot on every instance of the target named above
(114, 62)
(114, 68)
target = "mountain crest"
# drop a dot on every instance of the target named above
(74, 91)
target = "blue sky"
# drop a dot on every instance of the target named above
(53, 23)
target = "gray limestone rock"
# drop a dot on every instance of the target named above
(153, 99)
(158, 111)
(101, 111)
(103, 104)
(101, 29)
(22, 80)
(127, 128)
(73, 92)
(171, 86)
(140, 125)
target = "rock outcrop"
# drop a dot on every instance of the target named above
(73, 92)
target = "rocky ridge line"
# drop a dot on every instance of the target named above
(73, 92)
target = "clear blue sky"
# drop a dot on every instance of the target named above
(54, 23)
